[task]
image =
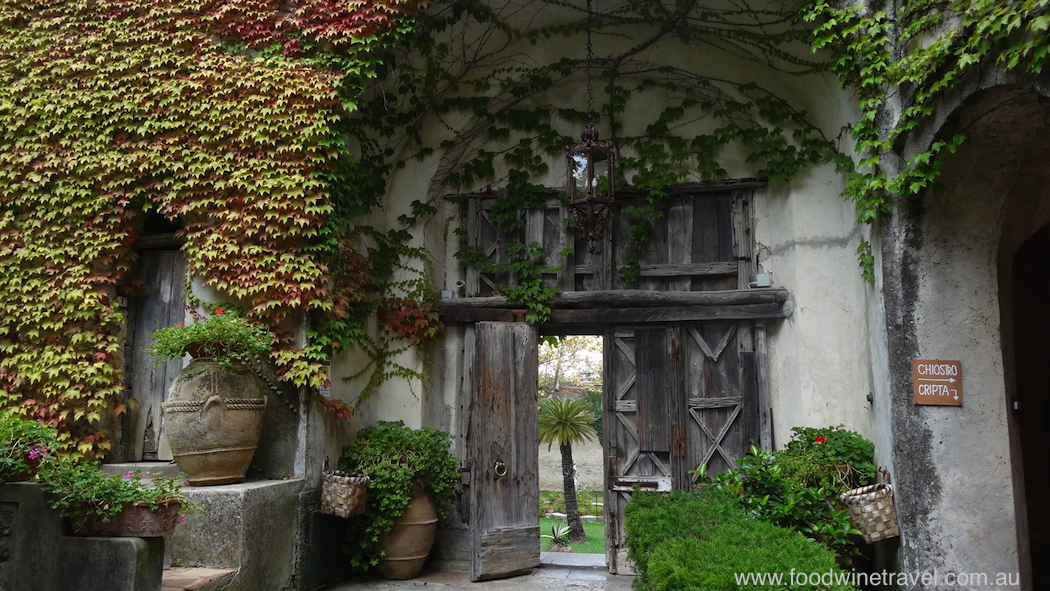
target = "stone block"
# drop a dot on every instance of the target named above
(249, 527)
(29, 534)
(110, 564)
(165, 469)
(36, 554)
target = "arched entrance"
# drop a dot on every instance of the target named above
(1031, 284)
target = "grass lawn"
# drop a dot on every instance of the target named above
(595, 531)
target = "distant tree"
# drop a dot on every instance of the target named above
(568, 361)
(566, 421)
(593, 396)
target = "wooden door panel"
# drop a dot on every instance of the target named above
(677, 397)
(160, 303)
(638, 384)
(504, 460)
(722, 403)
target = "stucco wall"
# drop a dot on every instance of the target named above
(819, 358)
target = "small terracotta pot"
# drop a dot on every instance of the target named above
(135, 520)
(32, 463)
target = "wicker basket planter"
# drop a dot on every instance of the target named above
(872, 512)
(343, 496)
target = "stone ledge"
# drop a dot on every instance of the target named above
(248, 527)
(166, 469)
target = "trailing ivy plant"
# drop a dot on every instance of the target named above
(900, 60)
(394, 457)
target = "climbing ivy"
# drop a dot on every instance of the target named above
(900, 62)
(222, 115)
(509, 105)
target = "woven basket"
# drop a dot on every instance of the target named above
(871, 510)
(343, 496)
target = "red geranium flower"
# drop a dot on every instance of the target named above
(220, 311)
(820, 439)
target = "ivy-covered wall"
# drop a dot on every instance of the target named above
(220, 115)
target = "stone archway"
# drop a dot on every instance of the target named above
(948, 262)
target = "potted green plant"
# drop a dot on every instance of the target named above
(214, 410)
(99, 504)
(559, 538)
(413, 480)
(23, 444)
(225, 337)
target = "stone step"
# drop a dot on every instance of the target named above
(195, 579)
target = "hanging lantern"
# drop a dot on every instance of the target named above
(591, 174)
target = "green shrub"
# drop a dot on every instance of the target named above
(767, 491)
(80, 490)
(702, 540)
(829, 457)
(799, 486)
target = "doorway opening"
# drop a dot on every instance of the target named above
(571, 456)
(1031, 349)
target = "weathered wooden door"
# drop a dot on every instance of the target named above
(160, 303)
(676, 397)
(504, 464)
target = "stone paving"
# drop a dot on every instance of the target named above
(192, 579)
(557, 571)
(545, 577)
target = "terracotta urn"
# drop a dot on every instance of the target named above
(213, 419)
(406, 546)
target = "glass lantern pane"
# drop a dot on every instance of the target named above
(579, 176)
(601, 174)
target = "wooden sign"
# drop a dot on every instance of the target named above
(936, 382)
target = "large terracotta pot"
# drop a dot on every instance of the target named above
(135, 520)
(407, 545)
(213, 419)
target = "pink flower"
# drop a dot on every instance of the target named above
(128, 474)
(220, 311)
(182, 518)
(180, 325)
(820, 439)
(37, 452)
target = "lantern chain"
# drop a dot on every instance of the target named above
(590, 58)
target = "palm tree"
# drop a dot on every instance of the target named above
(566, 421)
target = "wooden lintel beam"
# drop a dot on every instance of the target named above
(597, 316)
(632, 298)
(482, 315)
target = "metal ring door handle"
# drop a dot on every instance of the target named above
(500, 468)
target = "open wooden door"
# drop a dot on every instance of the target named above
(677, 396)
(503, 450)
